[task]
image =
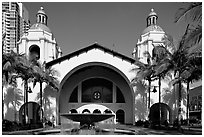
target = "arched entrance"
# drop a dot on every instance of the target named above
(97, 83)
(120, 116)
(165, 113)
(33, 117)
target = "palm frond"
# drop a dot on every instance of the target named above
(193, 13)
(193, 37)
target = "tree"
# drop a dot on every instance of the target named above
(144, 72)
(193, 16)
(141, 99)
(177, 61)
(170, 93)
(47, 75)
(192, 43)
(13, 96)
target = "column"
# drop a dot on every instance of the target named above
(42, 42)
(79, 92)
(114, 93)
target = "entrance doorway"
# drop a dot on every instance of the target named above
(120, 116)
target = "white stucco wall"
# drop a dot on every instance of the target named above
(43, 39)
(94, 55)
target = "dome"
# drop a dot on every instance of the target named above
(152, 13)
(152, 28)
(41, 11)
(40, 26)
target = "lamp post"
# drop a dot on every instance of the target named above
(154, 91)
(159, 101)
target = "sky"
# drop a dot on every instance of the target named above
(115, 25)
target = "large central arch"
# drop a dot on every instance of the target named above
(72, 86)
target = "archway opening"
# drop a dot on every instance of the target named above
(107, 111)
(72, 111)
(120, 116)
(86, 111)
(155, 114)
(34, 53)
(34, 113)
(97, 111)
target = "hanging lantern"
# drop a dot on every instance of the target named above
(154, 90)
(29, 90)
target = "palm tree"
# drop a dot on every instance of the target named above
(49, 92)
(192, 43)
(14, 97)
(143, 72)
(141, 102)
(177, 61)
(9, 63)
(193, 16)
(23, 69)
(170, 93)
(193, 72)
(158, 54)
(48, 76)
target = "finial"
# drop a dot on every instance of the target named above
(41, 8)
(152, 10)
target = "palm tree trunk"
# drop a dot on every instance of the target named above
(41, 104)
(25, 98)
(187, 106)
(159, 101)
(179, 106)
(149, 95)
(2, 102)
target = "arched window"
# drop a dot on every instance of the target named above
(107, 111)
(97, 90)
(119, 96)
(34, 52)
(73, 111)
(43, 19)
(39, 18)
(154, 20)
(96, 111)
(86, 111)
(74, 96)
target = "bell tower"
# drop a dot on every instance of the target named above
(152, 18)
(39, 43)
(41, 16)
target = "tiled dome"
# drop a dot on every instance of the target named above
(152, 28)
(40, 26)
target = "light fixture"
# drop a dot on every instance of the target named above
(154, 90)
(29, 90)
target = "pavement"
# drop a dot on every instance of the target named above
(137, 130)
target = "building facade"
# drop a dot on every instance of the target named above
(151, 37)
(39, 41)
(195, 101)
(94, 78)
(15, 22)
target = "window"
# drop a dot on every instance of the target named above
(74, 96)
(97, 90)
(119, 96)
